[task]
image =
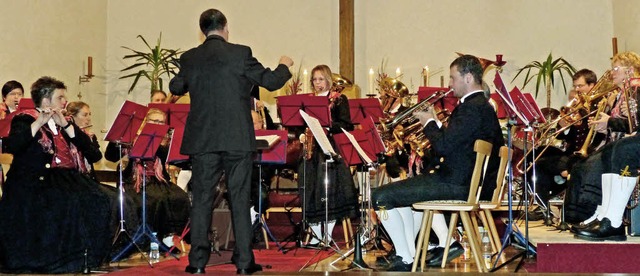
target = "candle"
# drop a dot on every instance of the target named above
(305, 81)
(425, 76)
(90, 67)
(398, 72)
(371, 82)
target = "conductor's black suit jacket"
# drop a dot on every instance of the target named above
(219, 76)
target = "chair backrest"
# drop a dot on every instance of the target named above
(483, 151)
(500, 180)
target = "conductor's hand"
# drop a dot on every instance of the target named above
(286, 61)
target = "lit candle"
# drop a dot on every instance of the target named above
(305, 81)
(425, 76)
(371, 82)
(90, 67)
(398, 72)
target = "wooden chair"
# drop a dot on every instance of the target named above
(457, 207)
(485, 207)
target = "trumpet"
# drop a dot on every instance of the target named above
(406, 116)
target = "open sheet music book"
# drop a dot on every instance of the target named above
(318, 133)
(271, 139)
(358, 148)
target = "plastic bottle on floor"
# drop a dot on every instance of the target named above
(154, 250)
(486, 249)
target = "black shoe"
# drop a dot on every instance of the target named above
(382, 261)
(194, 270)
(581, 226)
(398, 265)
(250, 270)
(602, 231)
(455, 250)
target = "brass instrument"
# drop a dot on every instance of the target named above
(308, 144)
(632, 105)
(583, 150)
(392, 93)
(339, 82)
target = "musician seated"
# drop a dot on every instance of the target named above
(472, 119)
(168, 206)
(52, 214)
(12, 92)
(158, 96)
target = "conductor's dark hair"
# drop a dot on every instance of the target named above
(44, 88)
(469, 64)
(212, 19)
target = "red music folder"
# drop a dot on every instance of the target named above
(449, 102)
(127, 123)
(176, 113)
(348, 150)
(500, 109)
(315, 106)
(508, 103)
(148, 141)
(276, 154)
(26, 103)
(527, 106)
(360, 109)
(174, 154)
(373, 137)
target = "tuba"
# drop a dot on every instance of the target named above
(392, 93)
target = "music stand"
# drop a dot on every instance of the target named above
(272, 149)
(356, 149)
(122, 131)
(360, 109)
(174, 156)
(144, 149)
(176, 113)
(316, 106)
(514, 116)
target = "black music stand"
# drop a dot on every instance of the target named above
(356, 149)
(122, 132)
(144, 149)
(269, 152)
(515, 117)
(360, 109)
(289, 108)
(174, 156)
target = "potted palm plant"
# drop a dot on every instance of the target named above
(544, 72)
(151, 64)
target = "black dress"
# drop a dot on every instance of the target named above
(340, 192)
(51, 212)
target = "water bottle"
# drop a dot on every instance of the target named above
(154, 249)
(486, 249)
(465, 245)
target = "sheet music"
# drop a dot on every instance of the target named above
(271, 139)
(359, 149)
(318, 133)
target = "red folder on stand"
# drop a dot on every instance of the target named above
(373, 137)
(276, 154)
(148, 141)
(500, 109)
(127, 123)
(315, 106)
(360, 109)
(176, 113)
(174, 155)
(26, 103)
(527, 106)
(349, 152)
(449, 102)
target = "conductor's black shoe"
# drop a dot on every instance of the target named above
(249, 270)
(602, 231)
(194, 270)
(399, 265)
(581, 226)
(455, 250)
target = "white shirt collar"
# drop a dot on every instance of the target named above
(465, 96)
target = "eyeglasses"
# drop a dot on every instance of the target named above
(617, 68)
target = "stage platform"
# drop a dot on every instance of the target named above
(560, 252)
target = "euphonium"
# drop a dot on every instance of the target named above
(392, 93)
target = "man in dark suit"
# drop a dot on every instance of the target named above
(472, 119)
(219, 132)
